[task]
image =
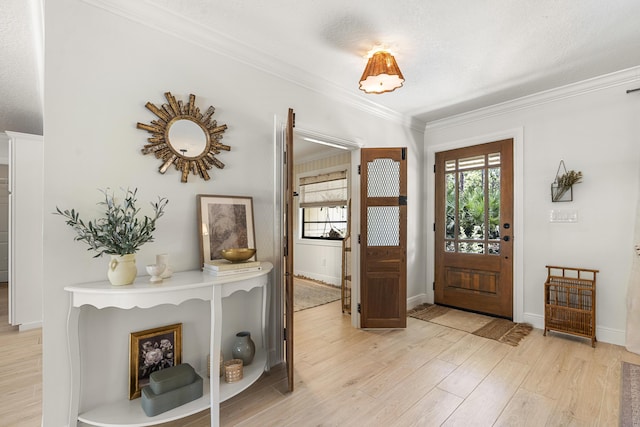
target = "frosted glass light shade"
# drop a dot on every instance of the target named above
(381, 74)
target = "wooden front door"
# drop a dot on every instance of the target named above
(474, 228)
(383, 239)
(288, 246)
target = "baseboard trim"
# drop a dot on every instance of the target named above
(603, 333)
(29, 326)
(331, 280)
(416, 300)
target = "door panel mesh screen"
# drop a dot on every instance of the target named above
(383, 226)
(384, 178)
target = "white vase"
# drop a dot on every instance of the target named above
(122, 269)
(164, 259)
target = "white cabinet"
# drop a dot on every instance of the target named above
(179, 288)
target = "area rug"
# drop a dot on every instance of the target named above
(630, 395)
(502, 330)
(308, 294)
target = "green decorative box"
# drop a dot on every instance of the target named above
(171, 378)
(154, 404)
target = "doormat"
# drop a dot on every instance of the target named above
(630, 397)
(309, 293)
(501, 330)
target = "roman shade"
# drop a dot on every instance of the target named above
(328, 189)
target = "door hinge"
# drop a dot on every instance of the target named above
(285, 250)
(434, 286)
(359, 308)
(295, 194)
(294, 120)
(434, 226)
(434, 168)
(404, 153)
(358, 239)
(284, 334)
(359, 169)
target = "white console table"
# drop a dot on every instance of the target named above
(179, 288)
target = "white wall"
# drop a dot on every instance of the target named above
(594, 127)
(101, 70)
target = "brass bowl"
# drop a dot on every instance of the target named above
(237, 254)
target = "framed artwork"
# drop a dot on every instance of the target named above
(225, 222)
(152, 350)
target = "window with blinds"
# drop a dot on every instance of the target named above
(323, 199)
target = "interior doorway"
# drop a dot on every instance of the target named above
(284, 201)
(321, 219)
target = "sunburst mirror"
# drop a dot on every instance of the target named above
(184, 137)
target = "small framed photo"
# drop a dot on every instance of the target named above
(225, 222)
(152, 350)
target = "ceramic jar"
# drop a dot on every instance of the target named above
(122, 269)
(244, 348)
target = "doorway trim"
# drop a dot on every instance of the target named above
(277, 317)
(518, 209)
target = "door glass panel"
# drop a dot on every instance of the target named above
(471, 247)
(494, 159)
(494, 248)
(494, 209)
(450, 206)
(384, 178)
(471, 162)
(383, 226)
(471, 204)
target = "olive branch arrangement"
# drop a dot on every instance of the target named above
(119, 231)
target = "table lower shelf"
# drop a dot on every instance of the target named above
(125, 413)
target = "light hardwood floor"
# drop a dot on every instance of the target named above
(20, 372)
(426, 375)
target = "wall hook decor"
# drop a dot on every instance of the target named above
(184, 137)
(562, 185)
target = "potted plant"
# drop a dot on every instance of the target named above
(119, 233)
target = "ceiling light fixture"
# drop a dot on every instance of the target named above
(382, 73)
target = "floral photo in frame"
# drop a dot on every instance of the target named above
(152, 350)
(225, 222)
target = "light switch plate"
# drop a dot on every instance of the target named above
(563, 215)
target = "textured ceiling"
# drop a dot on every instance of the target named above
(21, 69)
(456, 55)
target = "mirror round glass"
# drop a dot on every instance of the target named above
(184, 137)
(187, 138)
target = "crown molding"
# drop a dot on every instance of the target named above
(606, 81)
(161, 19)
